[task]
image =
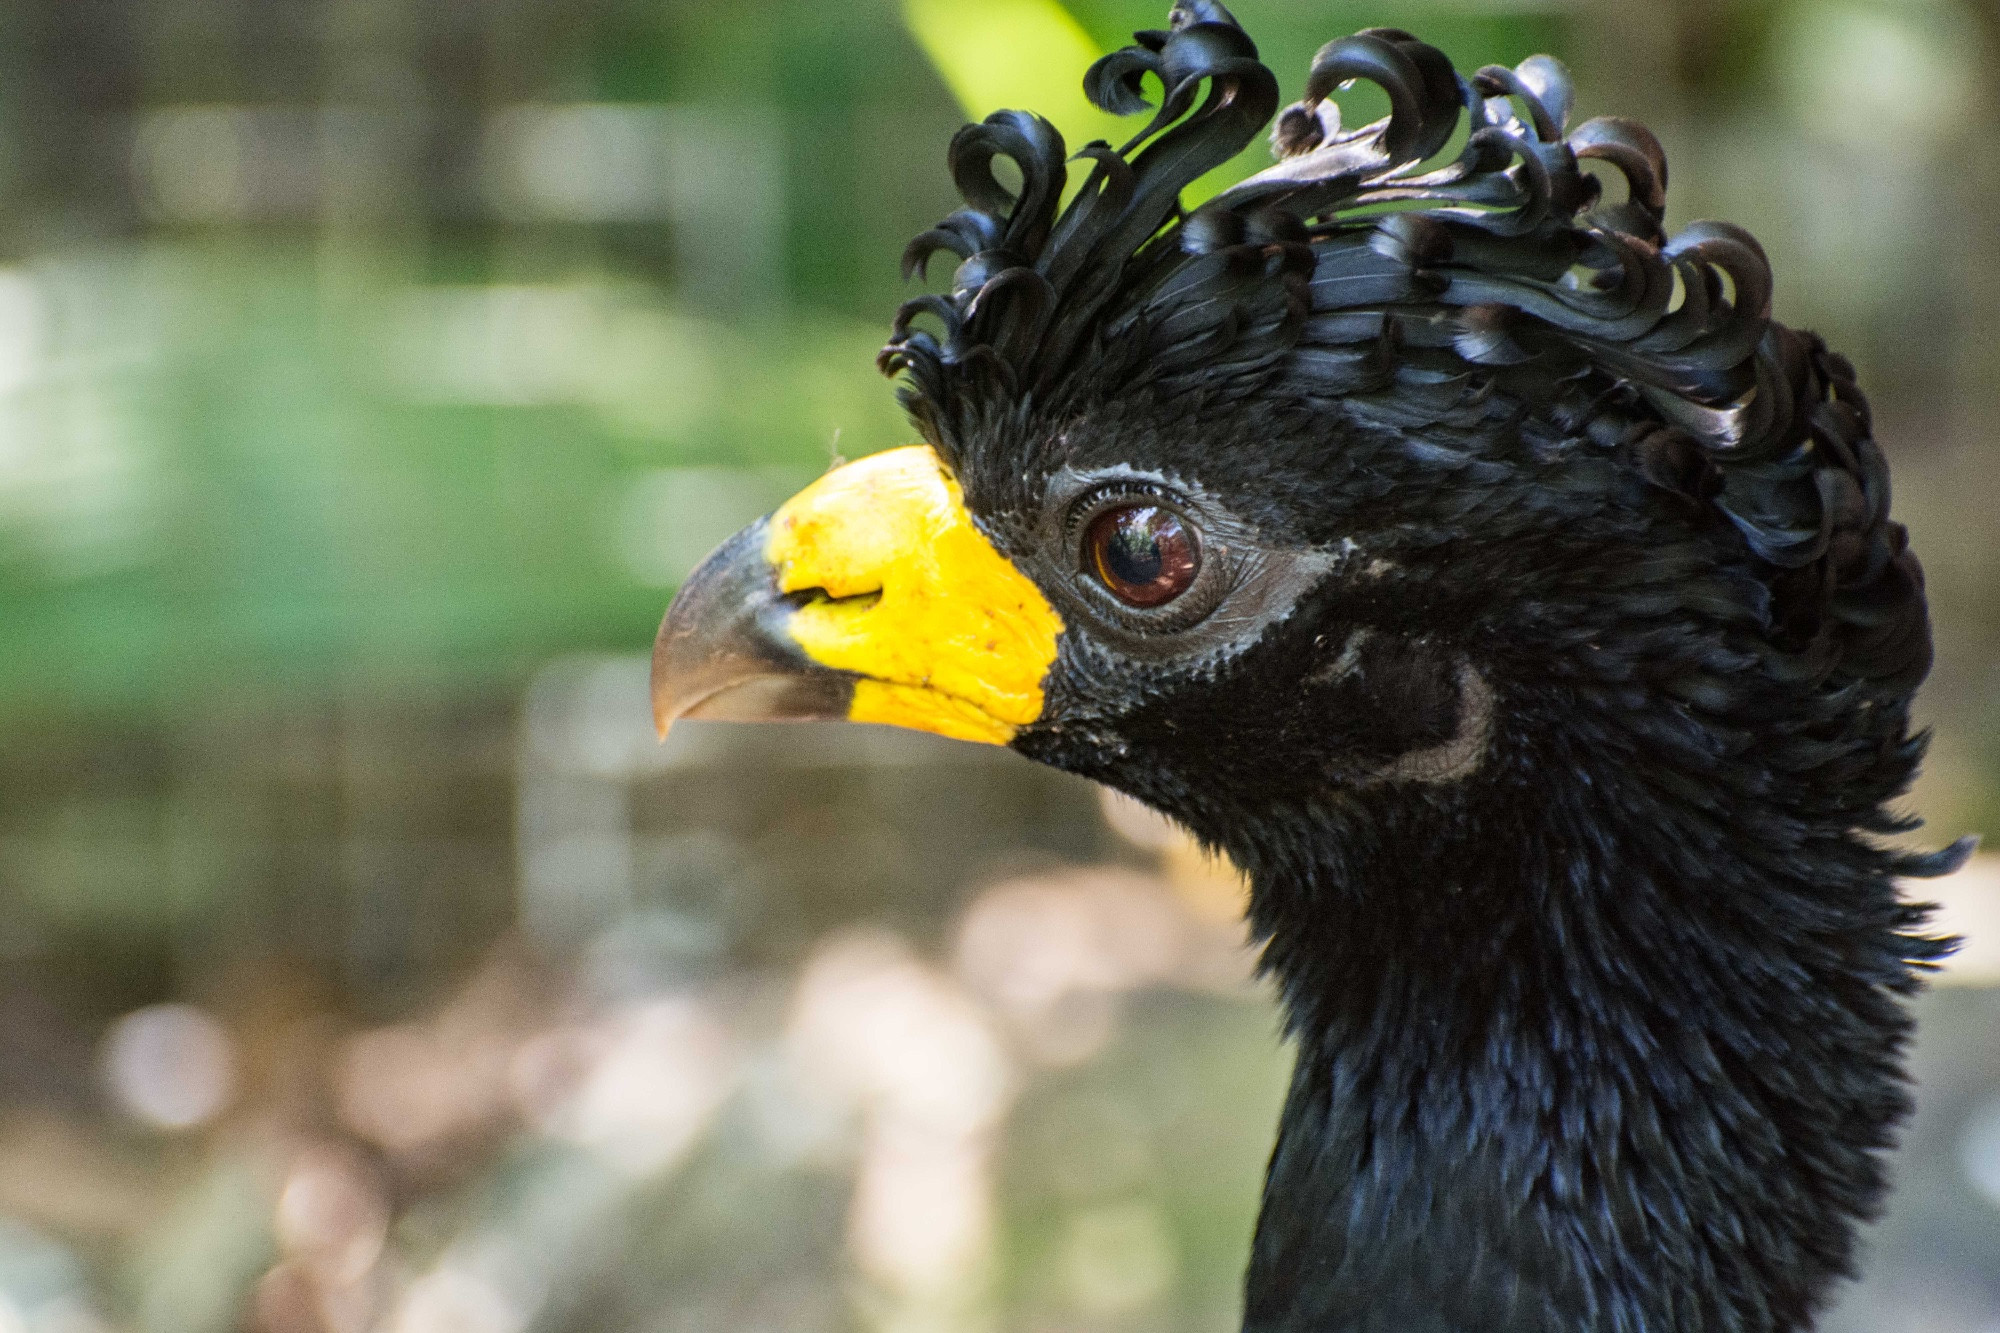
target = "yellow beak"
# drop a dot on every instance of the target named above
(869, 596)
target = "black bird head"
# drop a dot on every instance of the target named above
(1487, 571)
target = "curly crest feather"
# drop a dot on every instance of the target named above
(1366, 274)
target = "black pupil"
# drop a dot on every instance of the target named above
(1144, 554)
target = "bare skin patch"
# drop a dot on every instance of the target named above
(1347, 663)
(1397, 709)
(1460, 756)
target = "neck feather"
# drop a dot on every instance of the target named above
(1576, 1051)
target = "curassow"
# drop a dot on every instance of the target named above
(1486, 573)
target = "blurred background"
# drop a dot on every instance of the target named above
(370, 373)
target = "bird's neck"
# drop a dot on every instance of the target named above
(1571, 1057)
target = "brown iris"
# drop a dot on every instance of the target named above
(1144, 554)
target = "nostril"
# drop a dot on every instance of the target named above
(860, 601)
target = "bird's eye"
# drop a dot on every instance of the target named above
(1144, 554)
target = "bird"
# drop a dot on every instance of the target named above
(1481, 567)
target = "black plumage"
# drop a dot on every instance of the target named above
(1551, 693)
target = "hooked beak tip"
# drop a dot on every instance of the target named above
(724, 652)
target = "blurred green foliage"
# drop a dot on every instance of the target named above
(357, 391)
